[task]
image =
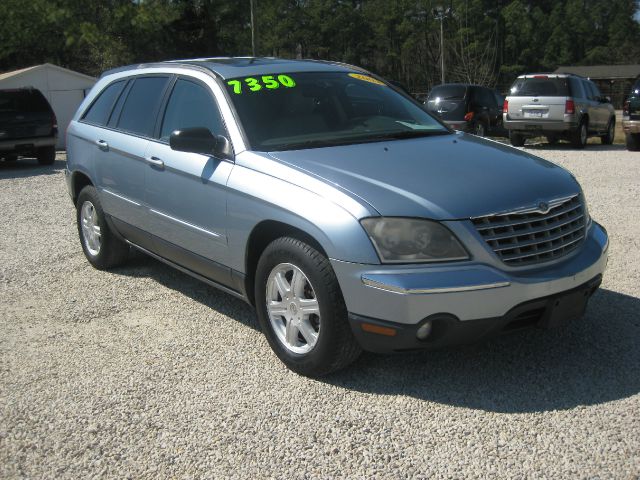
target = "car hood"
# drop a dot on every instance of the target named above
(441, 177)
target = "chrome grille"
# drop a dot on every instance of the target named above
(528, 236)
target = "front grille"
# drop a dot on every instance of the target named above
(528, 237)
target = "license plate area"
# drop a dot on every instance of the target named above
(535, 113)
(565, 308)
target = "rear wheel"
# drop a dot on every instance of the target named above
(301, 309)
(579, 137)
(46, 155)
(480, 129)
(607, 139)
(633, 141)
(516, 139)
(101, 247)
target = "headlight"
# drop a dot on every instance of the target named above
(407, 240)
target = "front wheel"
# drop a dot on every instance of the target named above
(101, 247)
(301, 309)
(633, 141)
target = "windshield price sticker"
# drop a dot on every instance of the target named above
(270, 82)
(366, 78)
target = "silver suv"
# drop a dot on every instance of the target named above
(335, 204)
(558, 106)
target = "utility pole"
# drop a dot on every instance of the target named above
(441, 13)
(252, 3)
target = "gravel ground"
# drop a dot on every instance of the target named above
(144, 372)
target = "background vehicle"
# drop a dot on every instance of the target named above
(631, 118)
(557, 106)
(28, 126)
(469, 108)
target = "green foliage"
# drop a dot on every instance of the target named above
(486, 41)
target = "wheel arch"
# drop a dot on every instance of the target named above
(260, 237)
(79, 180)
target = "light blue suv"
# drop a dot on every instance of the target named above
(332, 202)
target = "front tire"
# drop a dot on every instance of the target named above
(633, 141)
(301, 309)
(46, 155)
(101, 247)
(608, 138)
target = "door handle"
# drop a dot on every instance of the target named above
(155, 161)
(102, 145)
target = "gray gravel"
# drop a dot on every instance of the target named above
(144, 372)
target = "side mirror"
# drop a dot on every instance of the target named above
(200, 140)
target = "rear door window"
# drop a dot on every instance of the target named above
(540, 86)
(485, 98)
(592, 90)
(191, 105)
(141, 106)
(100, 110)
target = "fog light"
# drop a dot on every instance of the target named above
(424, 331)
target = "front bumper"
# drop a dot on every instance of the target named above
(466, 293)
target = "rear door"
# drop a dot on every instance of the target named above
(538, 98)
(598, 111)
(186, 192)
(120, 147)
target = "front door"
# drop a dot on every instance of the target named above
(186, 192)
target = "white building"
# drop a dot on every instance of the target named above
(63, 88)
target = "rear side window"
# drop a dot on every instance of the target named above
(191, 105)
(448, 92)
(141, 106)
(576, 88)
(100, 110)
(592, 91)
(484, 97)
(540, 86)
(31, 101)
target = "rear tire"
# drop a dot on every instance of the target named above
(579, 137)
(480, 129)
(46, 155)
(516, 139)
(607, 139)
(633, 141)
(292, 275)
(101, 247)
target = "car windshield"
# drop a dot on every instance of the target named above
(542, 86)
(317, 109)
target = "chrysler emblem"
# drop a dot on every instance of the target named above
(543, 207)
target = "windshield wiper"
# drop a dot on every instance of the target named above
(408, 134)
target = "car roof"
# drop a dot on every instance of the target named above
(232, 67)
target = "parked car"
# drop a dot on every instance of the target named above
(344, 212)
(631, 118)
(468, 108)
(558, 106)
(28, 126)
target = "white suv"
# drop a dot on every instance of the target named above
(557, 106)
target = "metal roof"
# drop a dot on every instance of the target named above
(22, 71)
(232, 67)
(603, 72)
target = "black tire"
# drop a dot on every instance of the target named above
(480, 129)
(552, 139)
(580, 135)
(46, 155)
(335, 347)
(607, 138)
(112, 251)
(633, 141)
(516, 139)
